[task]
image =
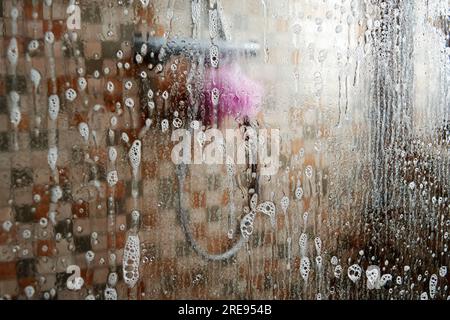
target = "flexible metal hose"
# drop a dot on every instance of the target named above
(181, 174)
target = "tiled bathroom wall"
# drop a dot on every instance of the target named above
(92, 205)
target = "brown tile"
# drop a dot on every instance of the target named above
(218, 244)
(198, 200)
(120, 240)
(45, 248)
(7, 270)
(80, 209)
(199, 230)
(42, 207)
(58, 27)
(149, 218)
(149, 170)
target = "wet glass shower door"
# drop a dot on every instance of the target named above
(207, 149)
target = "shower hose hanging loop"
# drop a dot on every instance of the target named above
(246, 225)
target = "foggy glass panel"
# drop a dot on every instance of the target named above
(260, 149)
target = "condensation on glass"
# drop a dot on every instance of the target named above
(98, 98)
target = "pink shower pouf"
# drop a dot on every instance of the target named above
(239, 95)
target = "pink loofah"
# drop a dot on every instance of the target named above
(239, 95)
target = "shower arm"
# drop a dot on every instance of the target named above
(160, 49)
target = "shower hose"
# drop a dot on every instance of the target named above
(181, 174)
